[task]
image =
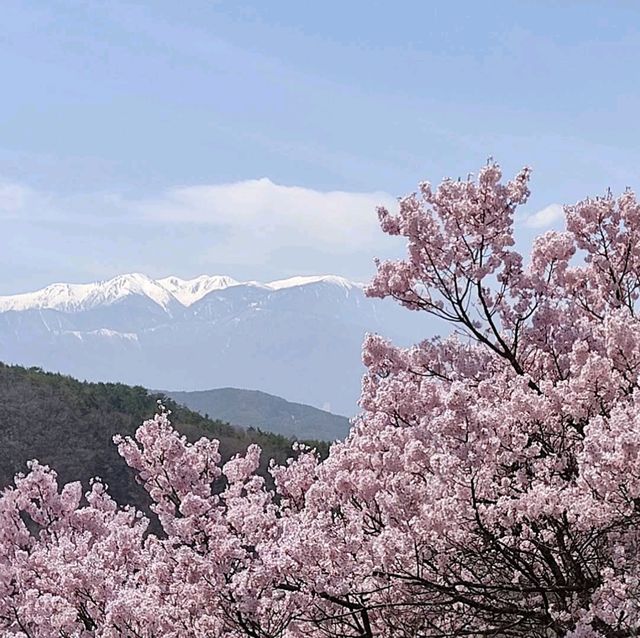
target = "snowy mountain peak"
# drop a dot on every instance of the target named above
(78, 297)
(188, 291)
(132, 284)
(163, 292)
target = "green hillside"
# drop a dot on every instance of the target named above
(271, 413)
(69, 425)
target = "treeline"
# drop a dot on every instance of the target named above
(68, 425)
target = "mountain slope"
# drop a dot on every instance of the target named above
(69, 425)
(298, 338)
(265, 411)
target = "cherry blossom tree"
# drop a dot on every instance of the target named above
(73, 568)
(489, 487)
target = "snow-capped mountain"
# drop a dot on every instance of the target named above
(163, 292)
(299, 338)
(191, 290)
(82, 297)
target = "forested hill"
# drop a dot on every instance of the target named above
(69, 425)
(268, 412)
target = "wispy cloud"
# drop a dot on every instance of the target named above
(249, 207)
(281, 214)
(546, 217)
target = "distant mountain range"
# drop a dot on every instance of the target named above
(297, 338)
(251, 408)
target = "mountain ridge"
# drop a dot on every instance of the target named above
(267, 412)
(68, 297)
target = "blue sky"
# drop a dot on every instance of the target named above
(254, 139)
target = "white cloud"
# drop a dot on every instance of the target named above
(261, 207)
(282, 215)
(546, 217)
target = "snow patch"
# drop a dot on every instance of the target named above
(293, 282)
(101, 332)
